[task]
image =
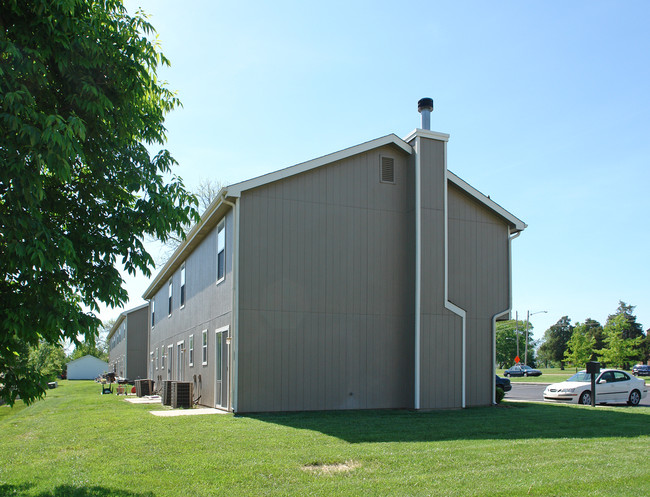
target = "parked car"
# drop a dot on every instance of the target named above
(503, 383)
(641, 370)
(612, 386)
(522, 370)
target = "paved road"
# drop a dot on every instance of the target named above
(535, 392)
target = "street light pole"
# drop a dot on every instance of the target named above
(528, 315)
(517, 331)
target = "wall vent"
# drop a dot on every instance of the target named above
(387, 170)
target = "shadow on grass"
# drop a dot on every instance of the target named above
(507, 422)
(69, 491)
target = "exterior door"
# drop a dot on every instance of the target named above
(180, 361)
(221, 368)
(170, 354)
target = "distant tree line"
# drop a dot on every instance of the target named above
(619, 343)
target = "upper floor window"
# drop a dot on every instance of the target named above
(183, 285)
(153, 313)
(170, 297)
(221, 251)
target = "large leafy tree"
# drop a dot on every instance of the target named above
(580, 346)
(80, 107)
(555, 340)
(507, 335)
(618, 349)
(630, 327)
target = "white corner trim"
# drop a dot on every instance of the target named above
(418, 271)
(425, 133)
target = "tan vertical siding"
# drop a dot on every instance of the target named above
(325, 296)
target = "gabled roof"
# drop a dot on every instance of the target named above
(87, 358)
(220, 205)
(122, 317)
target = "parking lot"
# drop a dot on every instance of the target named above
(535, 392)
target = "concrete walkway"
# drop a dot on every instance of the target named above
(187, 412)
(151, 399)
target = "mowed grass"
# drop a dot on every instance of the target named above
(79, 443)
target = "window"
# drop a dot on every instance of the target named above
(162, 357)
(170, 297)
(191, 345)
(183, 285)
(221, 251)
(156, 358)
(153, 313)
(204, 347)
(150, 364)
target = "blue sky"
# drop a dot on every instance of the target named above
(547, 104)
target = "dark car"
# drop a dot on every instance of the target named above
(641, 370)
(522, 370)
(503, 383)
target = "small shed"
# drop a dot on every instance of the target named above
(86, 368)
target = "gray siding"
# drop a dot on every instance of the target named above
(326, 281)
(207, 307)
(137, 329)
(479, 283)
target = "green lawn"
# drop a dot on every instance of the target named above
(81, 444)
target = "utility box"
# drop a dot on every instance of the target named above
(593, 367)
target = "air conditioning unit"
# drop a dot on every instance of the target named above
(182, 394)
(167, 392)
(143, 387)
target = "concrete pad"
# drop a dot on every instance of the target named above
(143, 400)
(188, 412)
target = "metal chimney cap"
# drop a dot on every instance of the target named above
(425, 104)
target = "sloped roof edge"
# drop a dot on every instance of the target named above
(392, 139)
(516, 223)
(122, 317)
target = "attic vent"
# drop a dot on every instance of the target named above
(387, 170)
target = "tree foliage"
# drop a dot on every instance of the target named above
(580, 346)
(618, 350)
(555, 340)
(629, 327)
(48, 360)
(79, 106)
(507, 333)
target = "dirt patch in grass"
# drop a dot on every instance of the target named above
(321, 468)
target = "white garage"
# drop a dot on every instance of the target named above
(86, 368)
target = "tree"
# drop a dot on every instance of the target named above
(631, 329)
(580, 346)
(506, 342)
(618, 350)
(205, 193)
(594, 330)
(96, 347)
(555, 340)
(48, 360)
(79, 190)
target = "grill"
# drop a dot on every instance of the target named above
(182, 394)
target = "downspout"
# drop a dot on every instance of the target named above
(418, 269)
(449, 305)
(232, 369)
(501, 313)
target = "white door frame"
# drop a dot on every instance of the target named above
(180, 359)
(220, 362)
(170, 363)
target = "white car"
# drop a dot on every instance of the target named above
(612, 386)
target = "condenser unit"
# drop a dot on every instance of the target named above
(182, 392)
(167, 392)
